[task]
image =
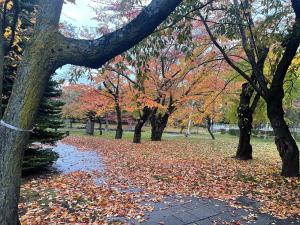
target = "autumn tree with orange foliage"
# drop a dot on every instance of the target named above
(207, 101)
(111, 81)
(72, 109)
(260, 33)
(85, 102)
(174, 80)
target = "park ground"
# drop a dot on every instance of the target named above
(135, 175)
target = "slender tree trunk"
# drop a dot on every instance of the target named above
(188, 130)
(209, 126)
(158, 125)
(106, 124)
(131, 126)
(286, 145)
(181, 129)
(119, 131)
(71, 123)
(100, 126)
(244, 111)
(190, 122)
(90, 124)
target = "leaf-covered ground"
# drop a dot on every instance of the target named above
(202, 168)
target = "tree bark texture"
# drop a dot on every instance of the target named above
(138, 132)
(90, 124)
(1, 65)
(158, 125)
(286, 145)
(119, 131)
(209, 126)
(47, 51)
(245, 115)
(32, 77)
(140, 123)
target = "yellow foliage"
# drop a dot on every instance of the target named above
(7, 32)
(10, 4)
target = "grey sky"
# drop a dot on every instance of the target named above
(79, 14)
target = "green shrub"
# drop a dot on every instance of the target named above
(36, 159)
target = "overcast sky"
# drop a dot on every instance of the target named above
(79, 14)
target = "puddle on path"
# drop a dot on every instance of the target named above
(71, 159)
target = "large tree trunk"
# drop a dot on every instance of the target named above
(119, 131)
(286, 145)
(156, 131)
(11, 156)
(140, 123)
(158, 125)
(138, 132)
(32, 77)
(1, 65)
(244, 111)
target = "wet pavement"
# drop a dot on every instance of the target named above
(173, 210)
(71, 160)
(194, 211)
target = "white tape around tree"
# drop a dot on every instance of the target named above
(2, 123)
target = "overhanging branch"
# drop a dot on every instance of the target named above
(94, 53)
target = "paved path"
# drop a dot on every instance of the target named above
(205, 212)
(174, 210)
(194, 211)
(71, 160)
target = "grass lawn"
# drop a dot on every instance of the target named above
(194, 166)
(169, 135)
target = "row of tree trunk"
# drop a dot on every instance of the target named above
(286, 145)
(90, 125)
(248, 101)
(158, 124)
